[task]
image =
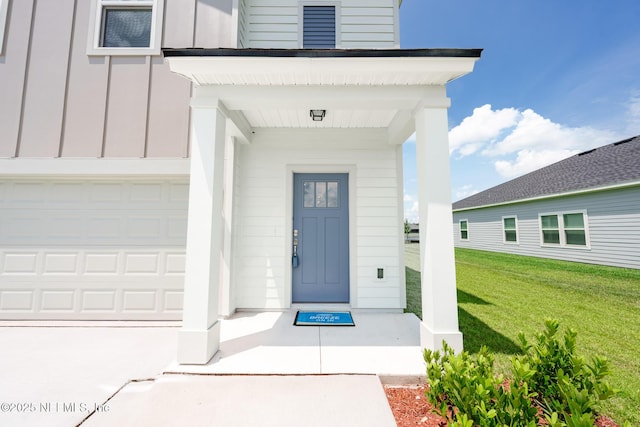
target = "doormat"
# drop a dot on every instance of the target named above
(324, 318)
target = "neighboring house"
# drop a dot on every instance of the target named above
(413, 236)
(585, 208)
(168, 159)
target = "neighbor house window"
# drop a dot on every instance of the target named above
(126, 27)
(4, 4)
(319, 25)
(464, 229)
(550, 229)
(574, 231)
(510, 229)
(564, 229)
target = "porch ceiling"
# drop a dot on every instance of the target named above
(267, 88)
(340, 119)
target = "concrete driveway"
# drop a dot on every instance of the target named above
(55, 374)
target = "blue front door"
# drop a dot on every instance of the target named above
(320, 261)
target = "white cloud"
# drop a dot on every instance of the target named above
(530, 160)
(523, 141)
(536, 133)
(483, 126)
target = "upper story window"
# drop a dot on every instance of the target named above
(319, 26)
(4, 5)
(564, 229)
(126, 27)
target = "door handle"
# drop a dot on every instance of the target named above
(294, 258)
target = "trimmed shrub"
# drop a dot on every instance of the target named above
(549, 381)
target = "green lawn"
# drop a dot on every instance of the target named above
(500, 295)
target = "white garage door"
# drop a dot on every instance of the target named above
(92, 249)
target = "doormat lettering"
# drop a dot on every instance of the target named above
(324, 318)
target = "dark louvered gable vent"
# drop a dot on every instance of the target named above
(319, 27)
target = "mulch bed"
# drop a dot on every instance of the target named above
(411, 408)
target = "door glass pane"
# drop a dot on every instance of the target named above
(321, 194)
(573, 220)
(332, 194)
(309, 194)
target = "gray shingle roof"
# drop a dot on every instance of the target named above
(611, 164)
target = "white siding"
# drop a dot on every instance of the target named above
(92, 248)
(614, 228)
(370, 24)
(262, 225)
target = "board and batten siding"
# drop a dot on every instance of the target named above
(370, 24)
(262, 246)
(57, 101)
(613, 221)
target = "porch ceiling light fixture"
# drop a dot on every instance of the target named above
(317, 115)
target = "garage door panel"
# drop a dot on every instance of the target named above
(129, 301)
(175, 263)
(142, 264)
(55, 262)
(20, 263)
(101, 249)
(61, 263)
(102, 263)
(16, 228)
(58, 300)
(17, 300)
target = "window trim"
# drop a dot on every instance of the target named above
(504, 231)
(460, 229)
(4, 16)
(561, 229)
(95, 28)
(338, 6)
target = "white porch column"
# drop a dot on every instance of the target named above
(437, 262)
(199, 338)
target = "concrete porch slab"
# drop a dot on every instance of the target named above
(383, 344)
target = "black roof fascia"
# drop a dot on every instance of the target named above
(323, 53)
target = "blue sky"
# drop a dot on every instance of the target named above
(556, 77)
